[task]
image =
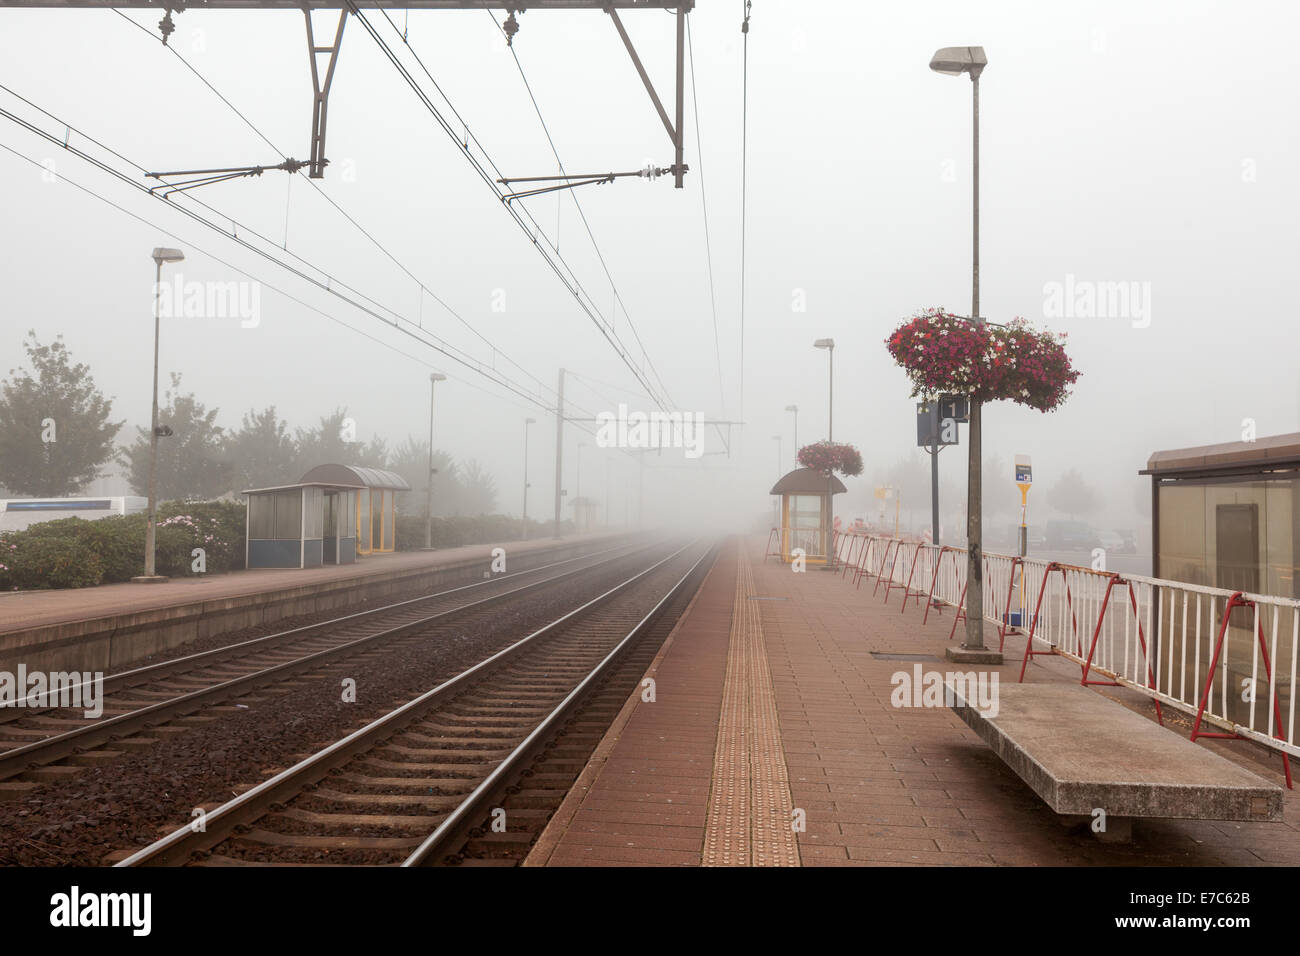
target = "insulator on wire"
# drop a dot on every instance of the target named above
(166, 26)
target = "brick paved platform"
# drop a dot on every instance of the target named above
(872, 783)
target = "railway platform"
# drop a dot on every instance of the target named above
(105, 627)
(770, 738)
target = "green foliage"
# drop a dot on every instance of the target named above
(262, 452)
(75, 553)
(215, 526)
(191, 461)
(55, 432)
(467, 489)
(334, 441)
(52, 554)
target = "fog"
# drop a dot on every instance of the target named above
(1149, 144)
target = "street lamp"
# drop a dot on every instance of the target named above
(829, 346)
(434, 379)
(776, 514)
(151, 576)
(577, 498)
(795, 409)
(954, 61)
(527, 422)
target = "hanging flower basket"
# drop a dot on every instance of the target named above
(944, 353)
(828, 457)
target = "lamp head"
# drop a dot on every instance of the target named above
(437, 377)
(163, 254)
(824, 344)
(792, 408)
(956, 60)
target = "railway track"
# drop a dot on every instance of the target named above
(44, 746)
(409, 787)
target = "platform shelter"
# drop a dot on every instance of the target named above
(806, 513)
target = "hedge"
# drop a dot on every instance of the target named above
(75, 553)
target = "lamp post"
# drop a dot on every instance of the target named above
(780, 458)
(527, 422)
(795, 409)
(434, 379)
(829, 346)
(577, 482)
(160, 255)
(954, 61)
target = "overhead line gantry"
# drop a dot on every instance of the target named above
(322, 74)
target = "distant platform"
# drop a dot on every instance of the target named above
(103, 627)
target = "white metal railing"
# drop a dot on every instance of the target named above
(1174, 642)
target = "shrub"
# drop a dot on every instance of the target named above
(73, 552)
(215, 526)
(53, 554)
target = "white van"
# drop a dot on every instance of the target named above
(19, 513)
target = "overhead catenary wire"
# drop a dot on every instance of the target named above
(330, 284)
(704, 203)
(248, 275)
(618, 299)
(556, 262)
(744, 188)
(511, 398)
(423, 288)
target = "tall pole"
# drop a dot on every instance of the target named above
(829, 542)
(559, 450)
(579, 522)
(607, 491)
(149, 535)
(796, 434)
(830, 426)
(527, 422)
(428, 485)
(975, 563)
(780, 463)
(934, 492)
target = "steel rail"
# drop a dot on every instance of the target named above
(428, 851)
(253, 803)
(50, 749)
(139, 675)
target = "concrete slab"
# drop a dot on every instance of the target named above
(1081, 752)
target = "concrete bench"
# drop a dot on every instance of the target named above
(1081, 752)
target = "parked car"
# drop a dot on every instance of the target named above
(1112, 541)
(1071, 536)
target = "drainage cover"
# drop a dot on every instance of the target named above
(882, 656)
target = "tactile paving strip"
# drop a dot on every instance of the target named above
(750, 815)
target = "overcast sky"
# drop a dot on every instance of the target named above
(1148, 143)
